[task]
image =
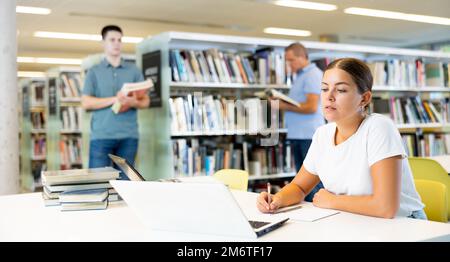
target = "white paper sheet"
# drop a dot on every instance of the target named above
(310, 214)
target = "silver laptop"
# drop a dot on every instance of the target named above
(127, 169)
(190, 207)
(132, 172)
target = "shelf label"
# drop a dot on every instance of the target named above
(52, 96)
(25, 102)
(151, 67)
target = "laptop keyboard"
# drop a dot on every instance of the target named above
(257, 224)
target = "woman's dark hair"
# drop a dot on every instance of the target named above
(108, 28)
(357, 69)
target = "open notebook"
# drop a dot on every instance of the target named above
(311, 214)
(303, 212)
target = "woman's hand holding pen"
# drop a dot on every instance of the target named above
(263, 204)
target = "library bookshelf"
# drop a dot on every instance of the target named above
(405, 86)
(64, 114)
(33, 131)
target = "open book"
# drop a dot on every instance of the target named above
(140, 88)
(277, 94)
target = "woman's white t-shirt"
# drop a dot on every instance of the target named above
(345, 168)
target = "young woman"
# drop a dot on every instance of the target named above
(359, 158)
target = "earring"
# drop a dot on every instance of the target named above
(363, 111)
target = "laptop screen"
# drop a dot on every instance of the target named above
(128, 169)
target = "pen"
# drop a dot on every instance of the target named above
(268, 194)
(287, 209)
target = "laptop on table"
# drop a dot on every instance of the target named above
(131, 172)
(126, 168)
(191, 208)
(206, 208)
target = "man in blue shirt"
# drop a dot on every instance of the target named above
(112, 133)
(302, 121)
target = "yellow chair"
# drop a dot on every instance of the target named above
(233, 178)
(428, 169)
(434, 196)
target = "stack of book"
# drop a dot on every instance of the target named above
(79, 189)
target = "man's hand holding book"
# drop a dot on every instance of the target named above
(126, 101)
(283, 100)
(130, 94)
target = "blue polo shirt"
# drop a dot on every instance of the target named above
(104, 80)
(302, 126)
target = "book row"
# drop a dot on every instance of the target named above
(400, 73)
(264, 66)
(70, 151)
(208, 113)
(70, 85)
(204, 157)
(413, 110)
(71, 117)
(38, 120)
(37, 93)
(39, 148)
(432, 144)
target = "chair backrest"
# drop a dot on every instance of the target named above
(434, 196)
(428, 169)
(233, 178)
